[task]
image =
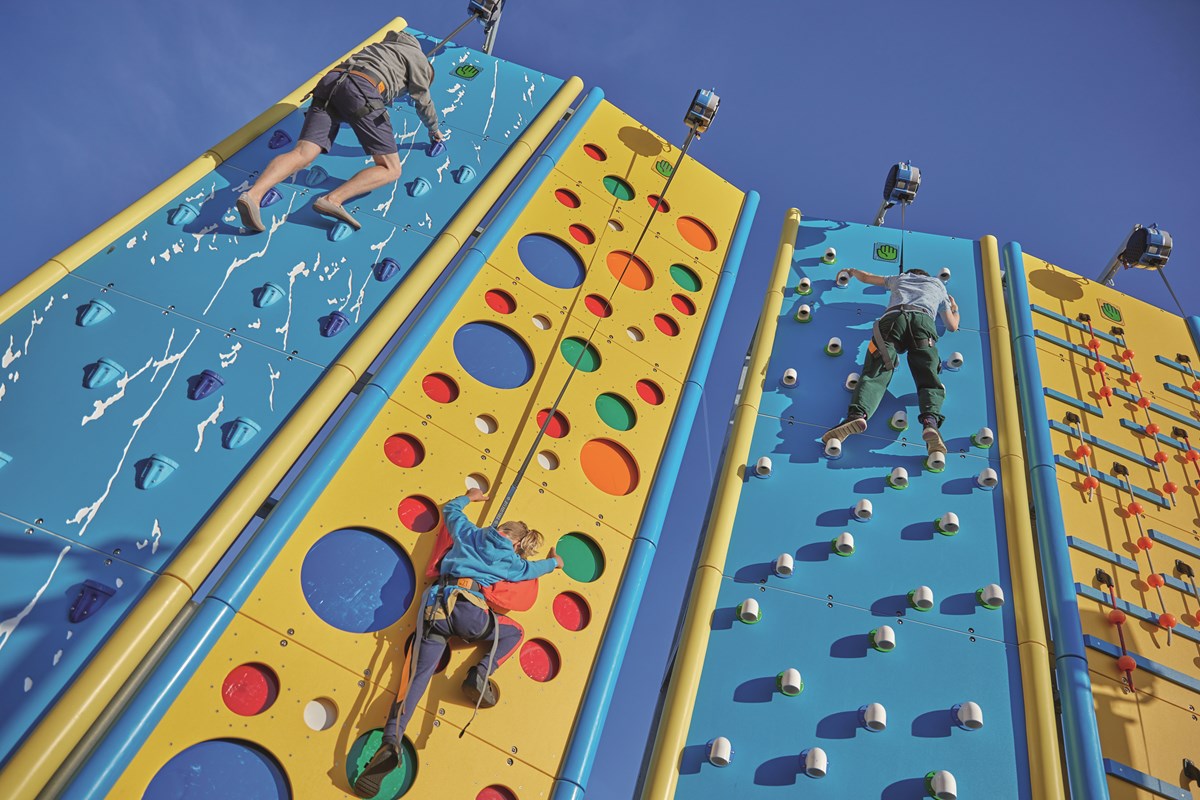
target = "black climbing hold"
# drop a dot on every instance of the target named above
(92, 596)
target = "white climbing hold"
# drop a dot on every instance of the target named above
(816, 763)
(789, 377)
(852, 381)
(898, 479)
(762, 467)
(922, 598)
(969, 716)
(948, 523)
(988, 478)
(863, 510)
(954, 362)
(983, 437)
(874, 717)
(834, 347)
(785, 565)
(748, 611)
(720, 752)
(833, 448)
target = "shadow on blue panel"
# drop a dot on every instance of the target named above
(782, 771)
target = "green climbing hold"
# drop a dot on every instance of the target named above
(467, 72)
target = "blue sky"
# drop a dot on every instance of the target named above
(1057, 125)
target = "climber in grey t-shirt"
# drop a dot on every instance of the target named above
(356, 92)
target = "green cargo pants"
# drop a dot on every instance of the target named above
(909, 332)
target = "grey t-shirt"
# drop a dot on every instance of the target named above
(402, 65)
(923, 291)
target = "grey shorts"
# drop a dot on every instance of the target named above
(321, 124)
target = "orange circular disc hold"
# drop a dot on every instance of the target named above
(1155, 580)
(630, 270)
(1117, 617)
(609, 467)
(696, 233)
(1126, 663)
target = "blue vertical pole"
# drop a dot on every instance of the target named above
(1193, 324)
(1081, 735)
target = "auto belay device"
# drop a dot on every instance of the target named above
(1145, 248)
(703, 109)
(901, 186)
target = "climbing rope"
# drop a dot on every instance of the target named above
(903, 208)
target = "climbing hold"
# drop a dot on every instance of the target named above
(340, 231)
(154, 470)
(873, 717)
(5, 459)
(182, 214)
(882, 638)
(1127, 355)
(803, 313)
(804, 286)
(1155, 580)
(852, 381)
(271, 197)
(789, 682)
(1191, 456)
(785, 565)
(1142, 402)
(267, 295)
(921, 598)
(988, 478)
(204, 384)
(1170, 487)
(1135, 509)
(334, 324)
(748, 611)
(465, 174)
(789, 377)
(833, 448)
(1093, 345)
(968, 715)
(1126, 663)
(947, 523)
(842, 279)
(1099, 367)
(1091, 483)
(1161, 457)
(720, 752)
(386, 269)
(1117, 617)
(834, 347)
(991, 596)
(843, 545)
(830, 256)
(863, 510)
(238, 432)
(419, 187)
(954, 362)
(279, 139)
(315, 176)
(1152, 428)
(435, 149)
(102, 373)
(898, 478)
(1135, 377)
(92, 312)
(941, 785)
(935, 461)
(816, 763)
(1082, 452)
(1168, 621)
(1145, 543)
(983, 438)
(944, 274)
(1105, 391)
(762, 467)
(899, 421)
(92, 595)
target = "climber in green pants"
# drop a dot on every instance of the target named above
(907, 326)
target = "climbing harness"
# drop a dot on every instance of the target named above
(880, 343)
(370, 105)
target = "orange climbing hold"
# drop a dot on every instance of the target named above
(1155, 580)
(1116, 616)
(1170, 487)
(1093, 344)
(1143, 402)
(1091, 483)
(1145, 543)
(1135, 377)
(1126, 663)
(1083, 451)
(1099, 366)
(1135, 509)
(1127, 355)
(1167, 621)
(1196, 387)
(1192, 456)
(1105, 391)
(1152, 428)
(1161, 458)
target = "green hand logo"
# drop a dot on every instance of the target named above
(1111, 312)
(664, 168)
(886, 252)
(467, 71)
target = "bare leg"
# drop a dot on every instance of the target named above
(284, 164)
(386, 169)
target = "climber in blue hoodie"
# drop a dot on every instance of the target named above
(455, 606)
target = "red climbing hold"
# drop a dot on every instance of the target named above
(1192, 456)
(1127, 355)
(1091, 483)
(1143, 402)
(1135, 509)
(1126, 663)
(1161, 458)
(1099, 366)
(1116, 616)
(1093, 344)
(1135, 377)
(1105, 391)
(1145, 543)
(1152, 428)
(1083, 451)
(1155, 580)
(1170, 487)
(1167, 620)
(1196, 387)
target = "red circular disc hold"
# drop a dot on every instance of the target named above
(404, 450)
(582, 234)
(250, 689)
(500, 301)
(572, 611)
(495, 792)
(1196, 387)
(540, 660)
(567, 198)
(683, 305)
(418, 514)
(440, 388)
(1192, 456)
(595, 152)
(651, 392)
(667, 325)
(1136, 509)
(558, 427)
(663, 207)
(598, 305)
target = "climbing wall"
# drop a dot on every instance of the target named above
(1120, 387)
(304, 675)
(851, 580)
(138, 387)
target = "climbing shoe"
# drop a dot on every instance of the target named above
(326, 207)
(251, 218)
(386, 759)
(845, 430)
(476, 684)
(933, 440)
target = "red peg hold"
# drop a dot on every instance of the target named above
(1152, 428)
(1170, 487)
(1196, 387)
(1155, 580)
(1167, 620)
(1083, 451)
(1135, 510)
(1126, 663)
(1192, 456)
(1093, 344)
(1116, 616)
(1099, 366)
(1127, 355)
(1143, 402)
(1161, 458)
(1145, 543)
(1091, 483)
(1106, 391)
(1135, 377)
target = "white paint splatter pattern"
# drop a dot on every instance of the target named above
(100, 406)
(155, 536)
(299, 269)
(274, 377)
(9, 626)
(492, 108)
(231, 356)
(443, 168)
(211, 419)
(276, 222)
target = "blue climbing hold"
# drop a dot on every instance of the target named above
(92, 595)
(5, 459)
(236, 433)
(92, 312)
(315, 176)
(340, 231)
(386, 270)
(154, 470)
(205, 384)
(279, 139)
(465, 174)
(272, 196)
(182, 214)
(102, 373)
(436, 149)
(334, 324)
(268, 295)
(419, 187)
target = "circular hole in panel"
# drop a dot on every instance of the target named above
(595, 151)
(614, 225)
(486, 423)
(572, 611)
(397, 782)
(540, 660)
(550, 260)
(615, 411)
(667, 325)
(496, 792)
(651, 392)
(582, 234)
(418, 514)
(574, 348)
(583, 560)
(558, 426)
(598, 305)
(609, 467)
(567, 198)
(618, 188)
(320, 714)
(683, 305)
(541, 322)
(663, 207)
(357, 581)
(630, 270)
(440, 388)
(696, 233)
(250, 689)
(493, 355)
(547, 460)
(477, 481)
(686, 278)
(635, 334)
(500, 301)
(404, 450)
(220, 768)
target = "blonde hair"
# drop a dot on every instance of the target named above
(526, 541)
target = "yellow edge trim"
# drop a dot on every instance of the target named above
(1045, 761)
(689, 660)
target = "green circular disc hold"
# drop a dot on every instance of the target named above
(582, 559)
(618, 188)
(397, 782)
(571, 349)
(615, 411)
(685, 278)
